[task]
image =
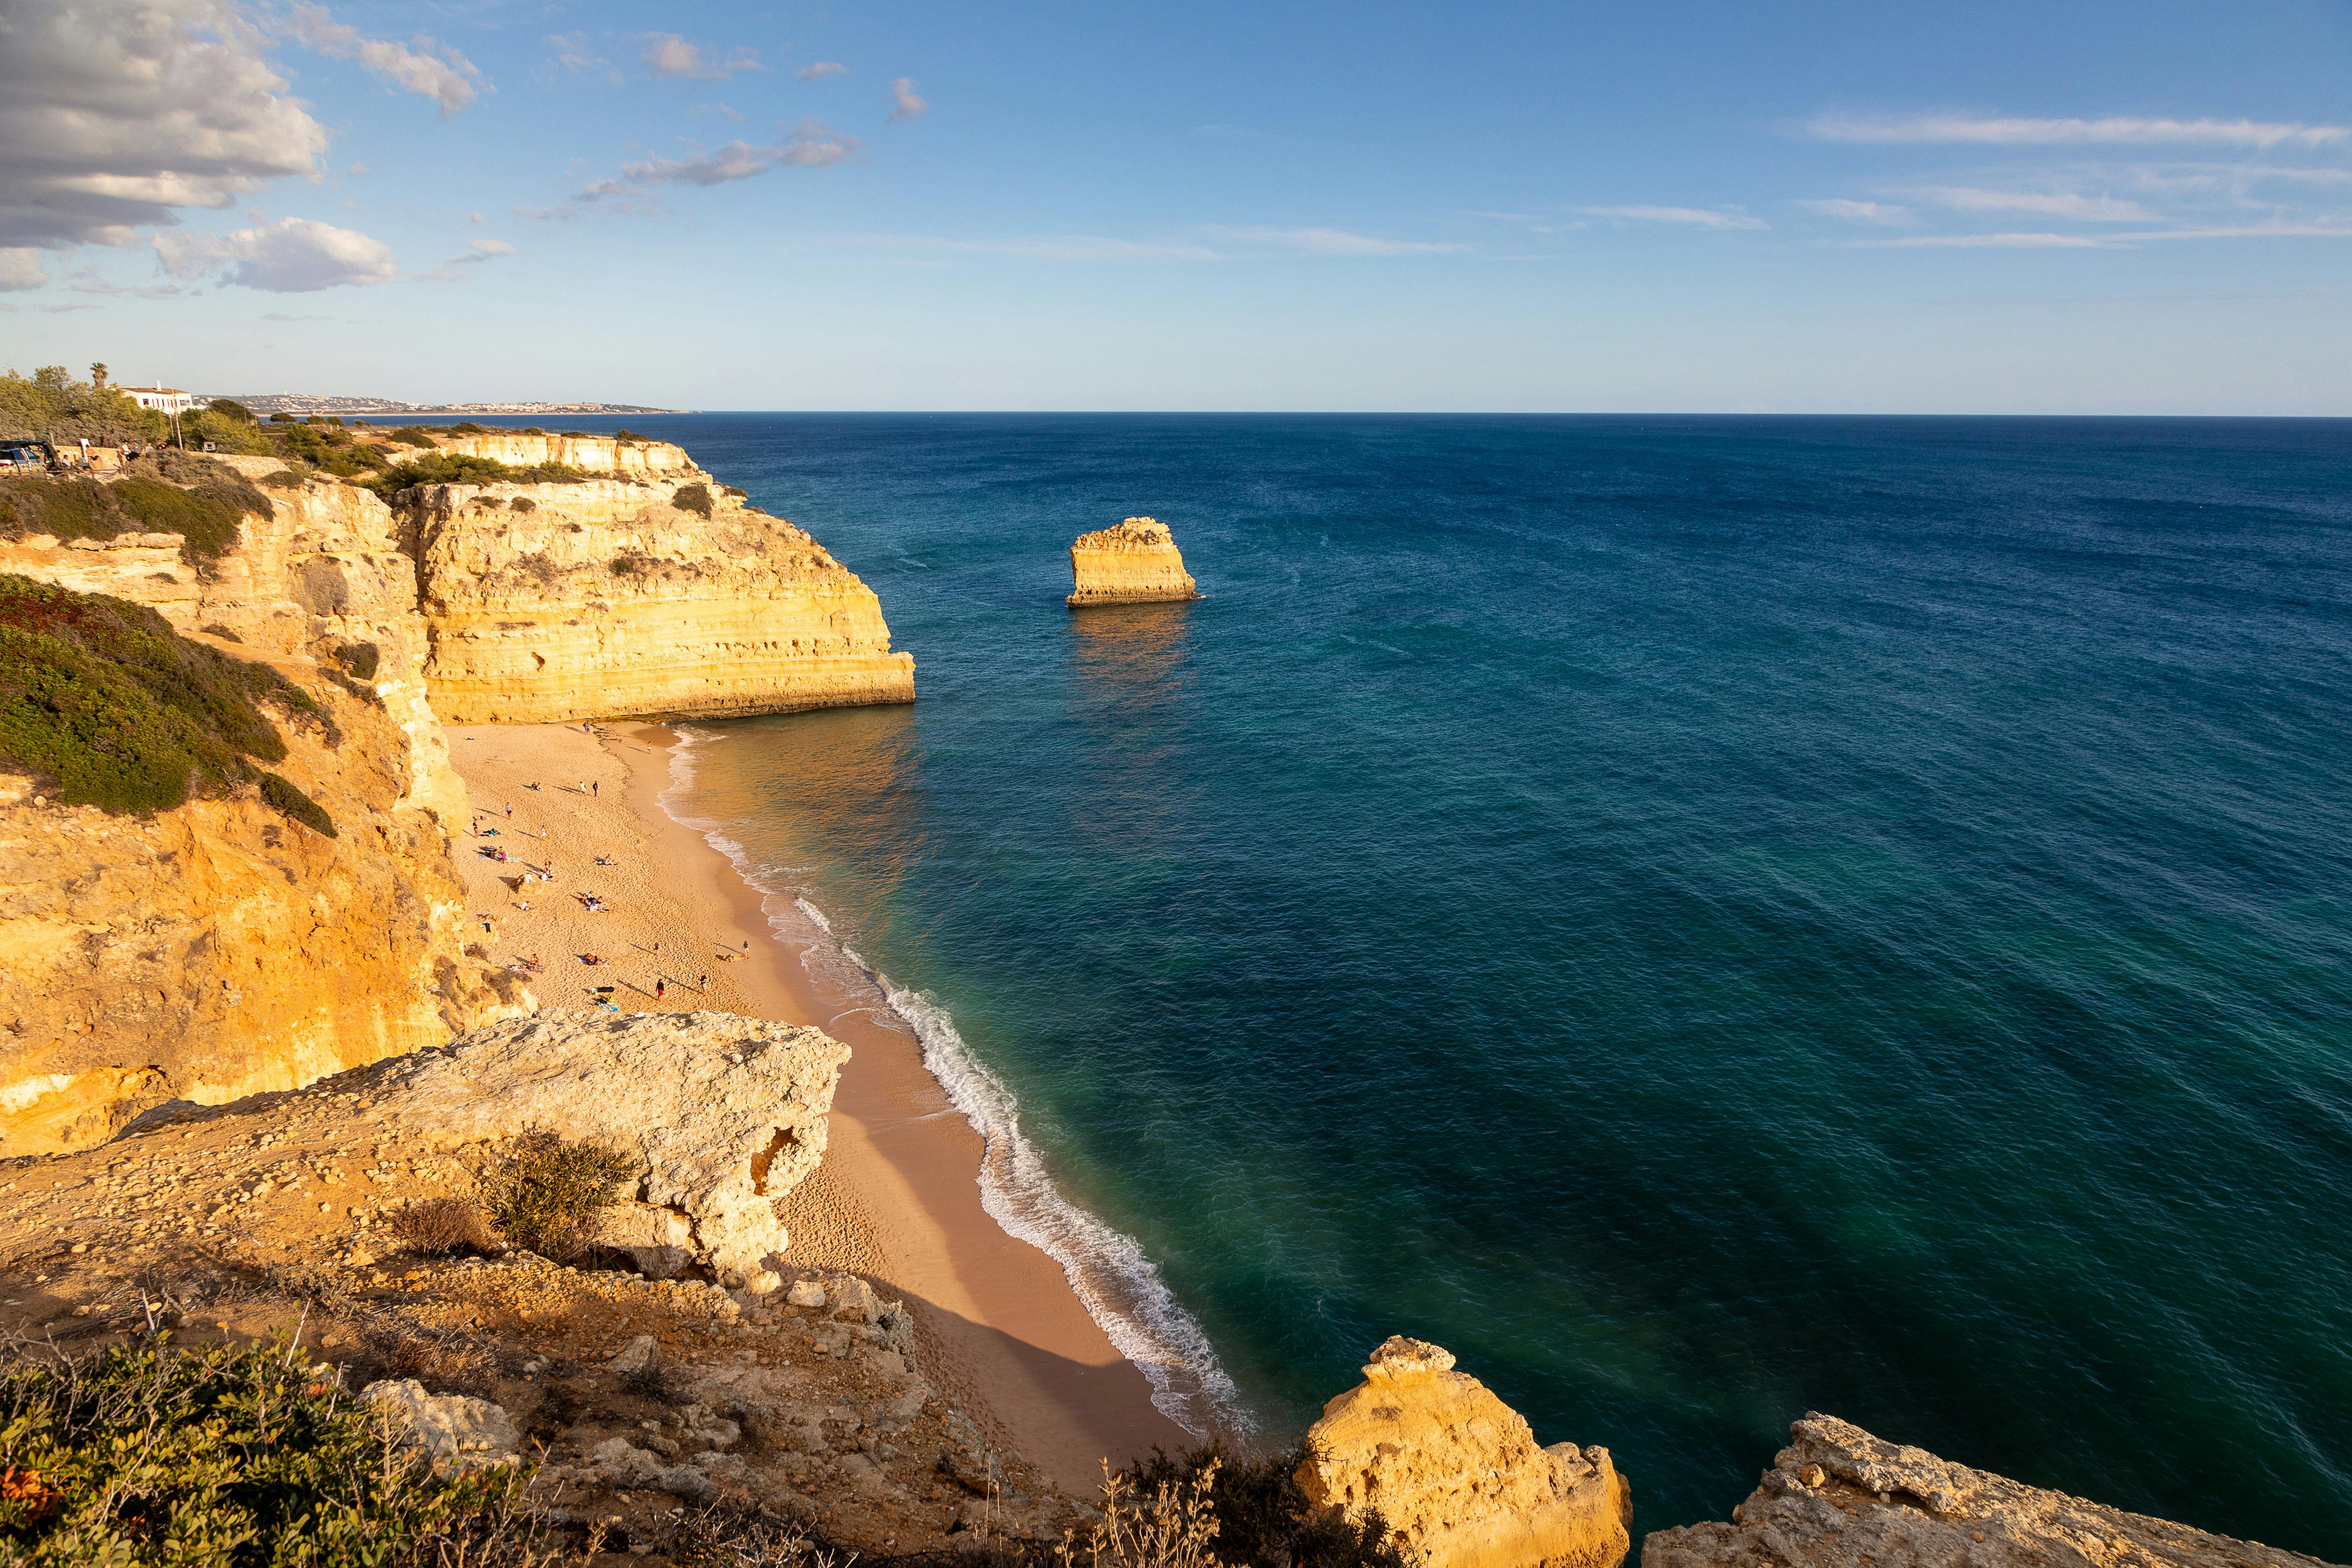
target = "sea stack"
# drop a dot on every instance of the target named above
(1456, 1474)
(1136, 562)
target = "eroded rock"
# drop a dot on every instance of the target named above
(1133, 563)
(1839, 1497)
(1455, 1473)
(725, 1113)
(451, 1427)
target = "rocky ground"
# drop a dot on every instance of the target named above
(640, 1399)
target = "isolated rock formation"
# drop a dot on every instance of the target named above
(452, 1429)
(608, 598)
(218, 949)
(1839, 1497)
(725, 1113)
(1134, 564)
(1455, 1473)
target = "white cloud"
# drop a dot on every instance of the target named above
(431, 69)
(1060, 247)
(821, 70)
(20, 267)
(906, 103)
(574, 54)
(2115, 131)
(1697, 217)
(2064, 204)
(292, 255)
(116, 113)
(667, 55)
(1332, 242)
(88, 281)
(1883, 212)
(1995, 241)
(813, 146)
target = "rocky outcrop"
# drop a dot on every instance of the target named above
(218, 949)
(1839, 1497)
(725, 1115)
(1455, 1473)
(613, 598)
(1134, 564)
(589, 454)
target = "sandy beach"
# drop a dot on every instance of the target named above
(897, 1198)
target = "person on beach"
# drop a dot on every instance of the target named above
(661, 989)
(509, 808)
(702, 982)
(596, 786)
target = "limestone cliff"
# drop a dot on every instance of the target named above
(218, 948)
(590, 454)
(1455, 1473)
(1839, 1497)
(612, 597)
(1136, 562)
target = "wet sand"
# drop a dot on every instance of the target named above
(898, 1197)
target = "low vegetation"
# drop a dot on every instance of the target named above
(107, 706)
(440, 1227)
(445, 467)
(172, 492)
(695, 499)
(150, 1455)
(548, 1195)
(1261, 1517)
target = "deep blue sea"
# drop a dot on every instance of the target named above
(1705, 918)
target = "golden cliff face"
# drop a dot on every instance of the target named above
(218, 949)
(1136, 562)
(605, 599)
(589, 454)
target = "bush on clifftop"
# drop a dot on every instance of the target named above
(204, 502)
(1264, 1519)
(105, 705)
(148, 1455)
(548, 1194)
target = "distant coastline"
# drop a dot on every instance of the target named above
(307, 403)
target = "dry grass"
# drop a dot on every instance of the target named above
(440, 1227)
(1172, 1529)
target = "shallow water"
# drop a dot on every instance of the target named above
(1704, 918)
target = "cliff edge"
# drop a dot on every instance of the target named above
(633, 595)
(1837, 1496)
(1136, 562)
(220, 946)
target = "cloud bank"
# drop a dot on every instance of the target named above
(672, 56)
(114, 114)
(431, 69)
(2115, 131)
(292, 255)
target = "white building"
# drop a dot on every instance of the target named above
(162, 399)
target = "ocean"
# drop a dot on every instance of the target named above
(1708, 919)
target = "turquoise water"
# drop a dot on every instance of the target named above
(1704, 918)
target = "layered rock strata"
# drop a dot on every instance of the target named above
(218, 949)
(1839, 1497)
(1136, 562)
(589, 454)
(725, 1115)
(1456, 1474)
(612, 598)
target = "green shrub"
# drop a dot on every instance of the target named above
(148, 1455)
(102, 701)
(206, 517)
(361, 658)
(227, 408)
(524, 503)
(283, 480)
(410, 436)
(282, 418)
(1264, 1518)
(282, 794)
(469, 428)
(692, 498)
(548, 1195)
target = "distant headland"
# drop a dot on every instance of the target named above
(307, 403)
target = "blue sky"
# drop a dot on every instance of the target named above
(2051, 207)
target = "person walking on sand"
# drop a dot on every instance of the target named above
(509, 808)
(596, 787)
(661, 989)
(702, 982)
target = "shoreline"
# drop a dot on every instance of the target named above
(897, 1197)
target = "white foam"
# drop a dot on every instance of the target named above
(1120, 1286)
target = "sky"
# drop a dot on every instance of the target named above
(2047, 207)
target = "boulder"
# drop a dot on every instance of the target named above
(450, 1428)
(1455, 1473)
(1839, 1497)
(722, 1114)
